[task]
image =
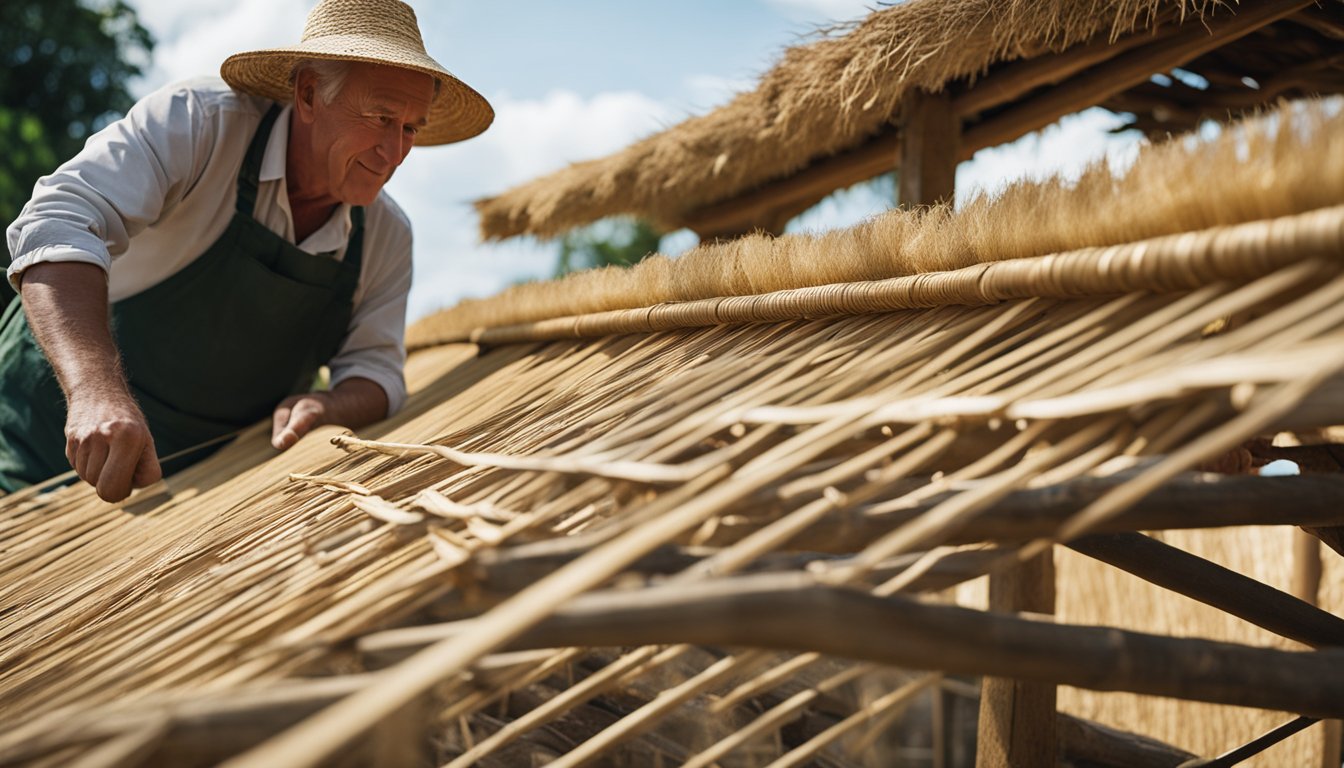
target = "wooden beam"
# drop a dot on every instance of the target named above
(798, 192)
(1011, 82)
(1212, 584)
(1323, 22)
(501, 572)
(930, 147)
(1192, 500)
(1017, 718)
(793, 612)
(1134, 65)
(1126, 71)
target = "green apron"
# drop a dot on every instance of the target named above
(208, 351)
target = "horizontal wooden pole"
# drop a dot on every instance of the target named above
(1212, 584)
(1193, 500)
(791, 612)
(502, 572)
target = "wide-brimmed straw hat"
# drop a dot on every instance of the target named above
(374, 31)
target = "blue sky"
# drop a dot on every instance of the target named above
(571, 81)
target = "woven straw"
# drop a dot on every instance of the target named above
(373, 31)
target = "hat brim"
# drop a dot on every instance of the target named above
(456, 114)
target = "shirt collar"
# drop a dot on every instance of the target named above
(277, 146)
(331, 236)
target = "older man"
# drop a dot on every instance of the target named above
(236, 236)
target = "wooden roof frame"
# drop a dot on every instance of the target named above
(934, 134)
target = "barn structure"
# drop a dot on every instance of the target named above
(709, 511)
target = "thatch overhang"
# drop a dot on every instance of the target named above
(960, 74)
(632, 537)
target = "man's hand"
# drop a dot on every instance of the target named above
(108, 443)
(353, 403)
(296, 416)
(106, 438)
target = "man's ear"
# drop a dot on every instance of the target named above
(305, 94)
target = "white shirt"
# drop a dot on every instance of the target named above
(150, 193)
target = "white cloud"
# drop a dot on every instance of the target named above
(529, 138)
(1065, 149)
(195, 37)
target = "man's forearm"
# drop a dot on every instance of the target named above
(66, 304)
(358, 402)
(107, 439)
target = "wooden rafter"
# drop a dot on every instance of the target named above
(794, 612)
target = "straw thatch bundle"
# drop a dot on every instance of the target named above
(1255, 170)
(841, 91)
(708, 503)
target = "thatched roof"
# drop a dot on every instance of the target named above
(598, 520)
(1002, 62)
(1252, 172)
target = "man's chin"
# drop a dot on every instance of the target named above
(362, 196)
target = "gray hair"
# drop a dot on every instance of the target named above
(330, 74)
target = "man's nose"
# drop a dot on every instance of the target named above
(394, 145)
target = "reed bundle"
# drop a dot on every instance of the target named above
(677, 520)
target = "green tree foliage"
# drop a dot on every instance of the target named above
(64, 70)
(619, 243)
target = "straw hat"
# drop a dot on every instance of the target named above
(376, 31)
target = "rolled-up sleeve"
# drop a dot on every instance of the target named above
(375, 347)
(126, 177)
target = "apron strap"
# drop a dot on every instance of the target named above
(354, 254)
(251, 170)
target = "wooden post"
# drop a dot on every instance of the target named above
(926, 171)
(930, 144)
(1017, 720)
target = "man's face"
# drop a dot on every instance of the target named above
(366, 131)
